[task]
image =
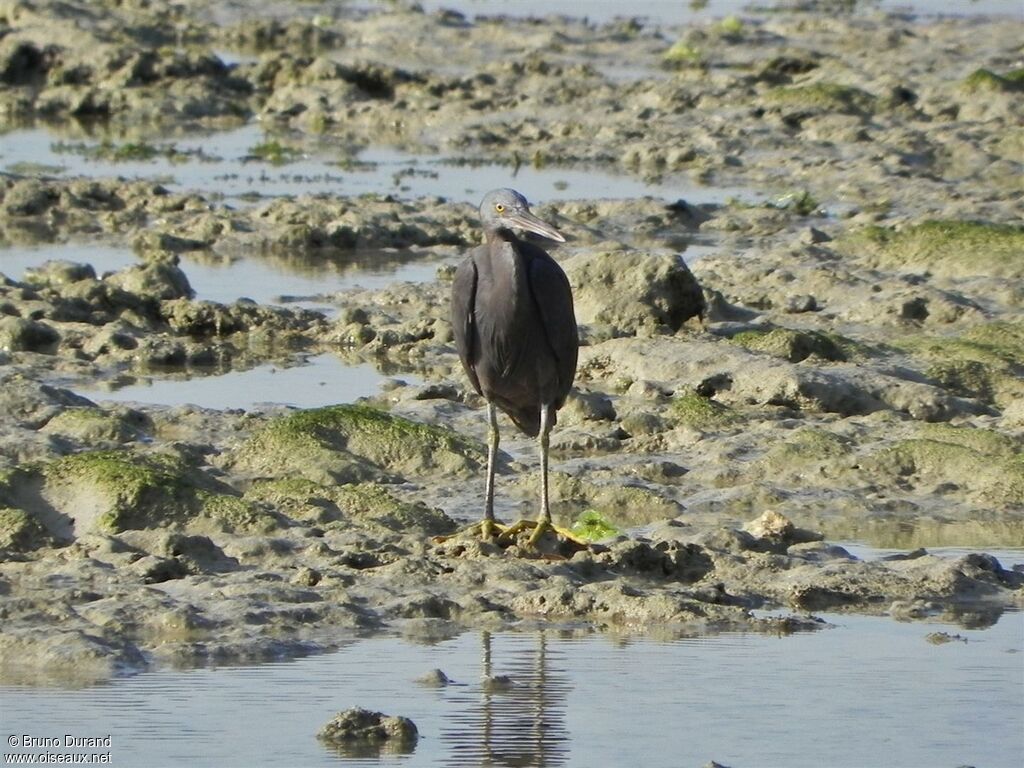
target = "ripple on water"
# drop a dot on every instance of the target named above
(869, 691)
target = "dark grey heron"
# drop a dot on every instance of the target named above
(516, 334)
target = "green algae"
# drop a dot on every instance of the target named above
(370, 502)
(828, 97)
(684, 54)
(801, 202)
(232, 514)
(275, 153)
(695, 410)
(591, 525)
(339, 504)
(987, 81)
(126, 491)
(91, 425)
(19, 531)
(731, 26)
(987, 442)
(807, 452)
(134, 487)
(978, 461)
(353, 443)
(620, 505)
(794, 345)
(986, 361)
(947, 247)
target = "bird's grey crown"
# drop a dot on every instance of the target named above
(505, 210)
(511, 202)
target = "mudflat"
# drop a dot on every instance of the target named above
(843, 362)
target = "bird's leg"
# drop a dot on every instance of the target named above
(488, 527)
(544, 522)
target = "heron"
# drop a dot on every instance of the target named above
(515, 331)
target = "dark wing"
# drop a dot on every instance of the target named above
(463, 321)
(553, 295)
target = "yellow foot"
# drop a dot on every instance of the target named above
(540, 527)
(487, 530)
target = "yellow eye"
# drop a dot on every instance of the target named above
(499, 207)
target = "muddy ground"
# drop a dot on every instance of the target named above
(856, 374)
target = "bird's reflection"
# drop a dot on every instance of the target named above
(516, 717)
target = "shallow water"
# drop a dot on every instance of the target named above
(224, 161)
(312, 382)
(264, 280)
(1008, 557)
(872, 691)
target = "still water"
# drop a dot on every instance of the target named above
(264, 280)
(225, 161)
(867, 691)
(311, 382)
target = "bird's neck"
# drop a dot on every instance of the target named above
(499, 235)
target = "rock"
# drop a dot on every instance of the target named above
(307, 577)
(118, 490)
(435, 678)
(630, 292)
(20, 532)
(153, 281)
(813, 236)
(586, 406)
(824, 97)
(944, 247)
(799, 303)
(19, 335)
(360, 732)
(353, 443)
(664, 559)
(777, 528)
(97, 427)
(59, 272)
(28, 197)
(792, 345)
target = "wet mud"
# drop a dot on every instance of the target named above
(843, 362)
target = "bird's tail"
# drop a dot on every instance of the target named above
(528, 419)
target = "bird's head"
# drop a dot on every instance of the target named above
(507, 209)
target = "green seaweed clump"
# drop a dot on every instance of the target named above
(807, 453)
(792, 345)
(591, 525)
(828, 97)
(986, 361)
(118, 490)
(20, 532)
(803, 203)
(233, 514)
(343, 504)
(695, 410)
(986, 81)
(951, 248)
(683, 54)
(133, 488)
(93, 425)
(981, 462)
(275, 153)
(354, 443)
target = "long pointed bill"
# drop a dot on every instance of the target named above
(527, 221)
